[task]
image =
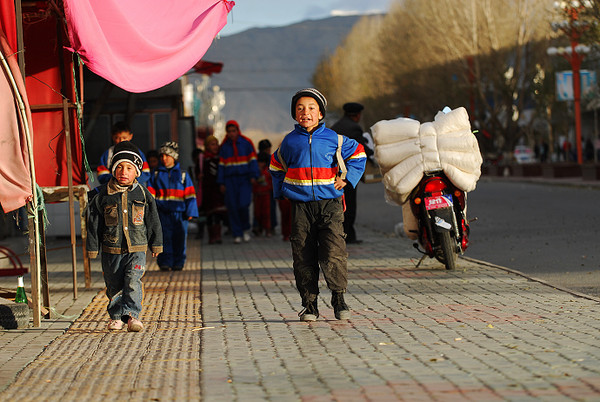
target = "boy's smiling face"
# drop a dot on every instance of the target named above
(308, 113)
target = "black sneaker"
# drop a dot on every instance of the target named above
(310, 312)
(340, 308)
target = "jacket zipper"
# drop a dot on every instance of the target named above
(312, 180)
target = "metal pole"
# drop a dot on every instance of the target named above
(576, 65)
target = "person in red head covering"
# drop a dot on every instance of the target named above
(238, 171)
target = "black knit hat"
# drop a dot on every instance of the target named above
(126, 151)
(313, 93)
(170, 148)
(264, 144)
(353, 108)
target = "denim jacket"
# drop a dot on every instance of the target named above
(123, 221)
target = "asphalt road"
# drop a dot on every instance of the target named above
(550, 232)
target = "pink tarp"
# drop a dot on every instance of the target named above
(15, 180)
(142, 45)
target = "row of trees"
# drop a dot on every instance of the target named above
(486, 55)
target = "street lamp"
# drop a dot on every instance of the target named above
(575, 53)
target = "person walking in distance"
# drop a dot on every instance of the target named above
(238, 171)
(213, 202)
(176, 201)
(349, 127)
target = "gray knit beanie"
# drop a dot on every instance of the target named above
(170, 148)
(313, 93)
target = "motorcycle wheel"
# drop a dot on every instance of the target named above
(448, 255)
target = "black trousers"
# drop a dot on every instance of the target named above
(318, 240)
(350, 214)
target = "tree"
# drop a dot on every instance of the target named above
(481, 54)
(350, 74)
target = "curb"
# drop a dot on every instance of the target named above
(531, 278)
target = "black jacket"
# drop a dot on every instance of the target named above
(107, 216)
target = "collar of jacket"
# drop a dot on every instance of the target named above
(175, 168)
(302, 130)
(113, 187)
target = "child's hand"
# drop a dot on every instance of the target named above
(339, 183)
(154, 255)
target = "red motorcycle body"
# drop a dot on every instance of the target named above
(440, 209)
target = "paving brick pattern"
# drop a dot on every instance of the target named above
(479, 333)
(226, 328)
(90, 363)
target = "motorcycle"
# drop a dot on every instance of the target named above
(440, 209)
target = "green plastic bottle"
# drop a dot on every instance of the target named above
(21, 297)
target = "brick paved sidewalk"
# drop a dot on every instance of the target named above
(479, 333)
(90, 363)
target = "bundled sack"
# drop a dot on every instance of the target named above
(391, 131)
(392, 154)
(455, 120)
(429, 147)
(458, 148)
(405, 149)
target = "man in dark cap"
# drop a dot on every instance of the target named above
(349, 127)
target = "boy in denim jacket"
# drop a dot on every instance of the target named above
(123, 222)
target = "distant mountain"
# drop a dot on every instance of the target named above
(264, 67)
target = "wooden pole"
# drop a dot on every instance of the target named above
(34, 224)
(67, 126)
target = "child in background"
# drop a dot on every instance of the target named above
(266, 147)
(198, 158)
(176, 201)
(213, 200)
(120, 132)
(262, 190)
(238, 171)
(123, 222)
(305, 170)
(153, 159)
(285, 209)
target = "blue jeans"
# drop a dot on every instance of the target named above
(123, 278)
(174, 228)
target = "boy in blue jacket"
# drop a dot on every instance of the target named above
(305, 170)
(176, 202)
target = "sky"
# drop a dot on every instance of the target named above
(248, 14)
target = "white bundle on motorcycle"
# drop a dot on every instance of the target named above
(398, 154)
(390, 131)
(405, 149)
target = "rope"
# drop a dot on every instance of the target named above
(86, 164)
